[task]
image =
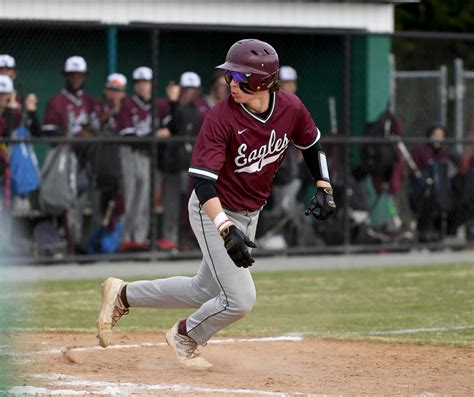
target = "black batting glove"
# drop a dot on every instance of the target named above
(322, 205)
(236, 244)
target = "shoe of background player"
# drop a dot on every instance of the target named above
(166, 244)
(111, 309)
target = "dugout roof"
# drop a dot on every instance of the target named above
(371, 16)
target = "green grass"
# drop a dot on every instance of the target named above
(330, 303)
(7, 308)
(6, 369)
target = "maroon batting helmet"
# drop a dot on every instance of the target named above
(257, 60)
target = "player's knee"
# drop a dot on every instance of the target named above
(243, 304)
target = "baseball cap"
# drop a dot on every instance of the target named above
(287, 73)
(190, 79)
(7, 61)
(116, 81)
(6, 85)
(142, 73)
(75, 64)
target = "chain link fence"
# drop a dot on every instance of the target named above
(367, 93)
(464, 100)
(419, 98)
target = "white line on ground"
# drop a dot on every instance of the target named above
(20, 361)
(125, 388)
(284, 338)
(290, 338)
(42, 391)
(296, 337)
(417, 330)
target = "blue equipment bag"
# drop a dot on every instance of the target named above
(25, 174)
(104, 241)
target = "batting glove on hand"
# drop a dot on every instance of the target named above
(322, 205)
(236, 244)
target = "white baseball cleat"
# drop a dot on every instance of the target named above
(186, 350)
(111, 309)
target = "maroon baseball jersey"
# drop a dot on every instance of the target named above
(108, 118)
(134, 117)
(13, 122)
(242, 151)
(202, 107)
(69, 114)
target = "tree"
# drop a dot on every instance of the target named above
(436, 16)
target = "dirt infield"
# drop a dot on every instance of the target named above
(141, 364)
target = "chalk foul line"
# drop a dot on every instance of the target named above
(71, 383)
(285, 338)
(417, 330)
(288, 338)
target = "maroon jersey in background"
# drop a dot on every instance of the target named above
(134, 117)
(68, 114)
(242, 152)
(202, 107)
(108, 118)
(425, 154)
(9, 120)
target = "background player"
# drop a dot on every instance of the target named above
(135, 120)
(238, 150)
(74, 113)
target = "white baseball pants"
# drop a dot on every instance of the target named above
(221, 291)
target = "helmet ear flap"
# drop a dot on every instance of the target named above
(275, 86)
(246, 88)
(271, 81)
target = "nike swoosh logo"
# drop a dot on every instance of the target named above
(242, 131)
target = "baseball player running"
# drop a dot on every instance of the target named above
(238, 150)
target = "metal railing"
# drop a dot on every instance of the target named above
(346, 145)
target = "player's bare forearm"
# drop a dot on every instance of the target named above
(212, 207)
(322, 183)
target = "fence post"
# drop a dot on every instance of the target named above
(111, 49)
(443, 95)
(155, 41)
(459, 101)
(392, 83)
(347, 134)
